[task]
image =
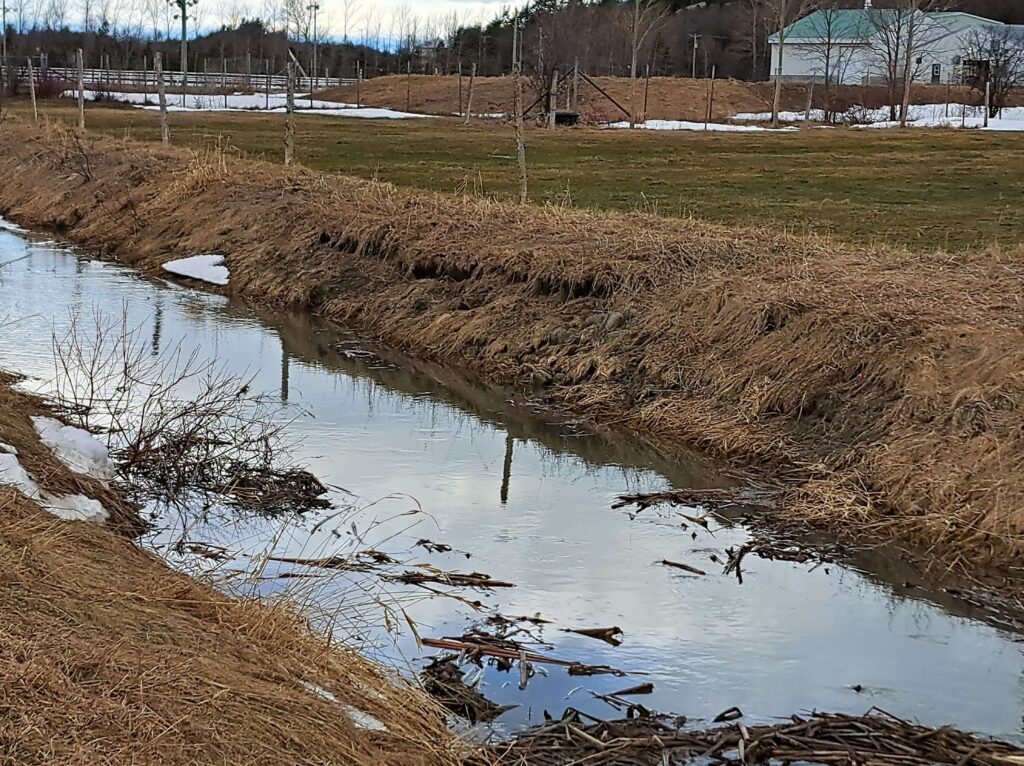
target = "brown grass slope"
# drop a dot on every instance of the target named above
(109, 657)
(891, 381)
(668, 98)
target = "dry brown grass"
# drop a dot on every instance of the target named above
(668, 98)
(887, 382)
(109, 657)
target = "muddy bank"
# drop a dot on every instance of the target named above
(108, 656)
(884, 384)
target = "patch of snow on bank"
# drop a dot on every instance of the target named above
(8, 449)
(68, 507)
(206, 268)
(717, 127)
(358, 717)
(75, 447)
(6, 225)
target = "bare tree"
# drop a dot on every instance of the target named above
(782, 14)
(993, 60)
(643, 17)
(834, 38)
(901, 37)
(349, 17)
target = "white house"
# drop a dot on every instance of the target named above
(859, 46)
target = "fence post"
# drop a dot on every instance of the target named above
(647, 88)
(267, 91)
(32, 90)
(81, 89)
(988, 100)
(552, 98)
(158, 65)
(408, 86)
(576, 85)
(469, 99)
(810, 102)
(145, 78)
(359, 83)
(224, 79)
(289, 121)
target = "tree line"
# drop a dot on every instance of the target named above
(602, 37)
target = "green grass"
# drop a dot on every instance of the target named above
(926, 189)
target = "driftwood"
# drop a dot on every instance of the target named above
(684, 567)
(455, 579)
(608, 635)
(877, 739)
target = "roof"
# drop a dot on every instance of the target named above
(842, 24)
(857, 25)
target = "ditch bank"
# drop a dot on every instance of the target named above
(883, 385)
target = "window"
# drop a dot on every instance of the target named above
(920, 60)
(936, 73)
(957, 60)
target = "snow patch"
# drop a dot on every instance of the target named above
(718, 127)
(69, 507)
(919, 116)
(75, 447)
(6, 225)
(254, 102)
(358, 717)
(8, 449)
(206, 268)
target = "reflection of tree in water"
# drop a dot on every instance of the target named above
(448, 403)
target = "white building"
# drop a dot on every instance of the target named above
(858, 46)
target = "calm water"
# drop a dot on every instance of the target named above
(530, 500)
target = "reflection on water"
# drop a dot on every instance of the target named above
(530, 500)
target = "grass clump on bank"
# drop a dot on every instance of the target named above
(883, 382)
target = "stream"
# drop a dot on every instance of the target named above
(530, 499)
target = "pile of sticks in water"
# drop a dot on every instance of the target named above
(875, 739)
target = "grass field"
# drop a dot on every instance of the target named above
(925, 189)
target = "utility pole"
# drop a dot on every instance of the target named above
(314, 9)
(696, 42)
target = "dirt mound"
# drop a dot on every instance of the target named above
(668, 98)
(884, 383)
(107, 656)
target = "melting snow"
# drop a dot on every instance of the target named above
(685, 125)
(70, 507)
(11, 227)
(8, 449)
(76, 448)
(207, 268)
(359, 718)
(275, 102)
(920, 116)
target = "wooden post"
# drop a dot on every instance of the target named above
(988, 100)
(947, 100)
(461, 113)
(576, 86)
(248, 71)
(267, 94)
(647, 89)
(711, 97)
(158, 64)
(32, 90)
(517, 98)
(224, 79)
(145, 78)
(553, 99)
(408, 86)
(359, 83)
(469, 100)
(810, 102)
(289, 121)
(81, 89)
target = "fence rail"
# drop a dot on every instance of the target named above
(112, 79)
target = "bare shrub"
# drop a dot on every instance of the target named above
(183, 432)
